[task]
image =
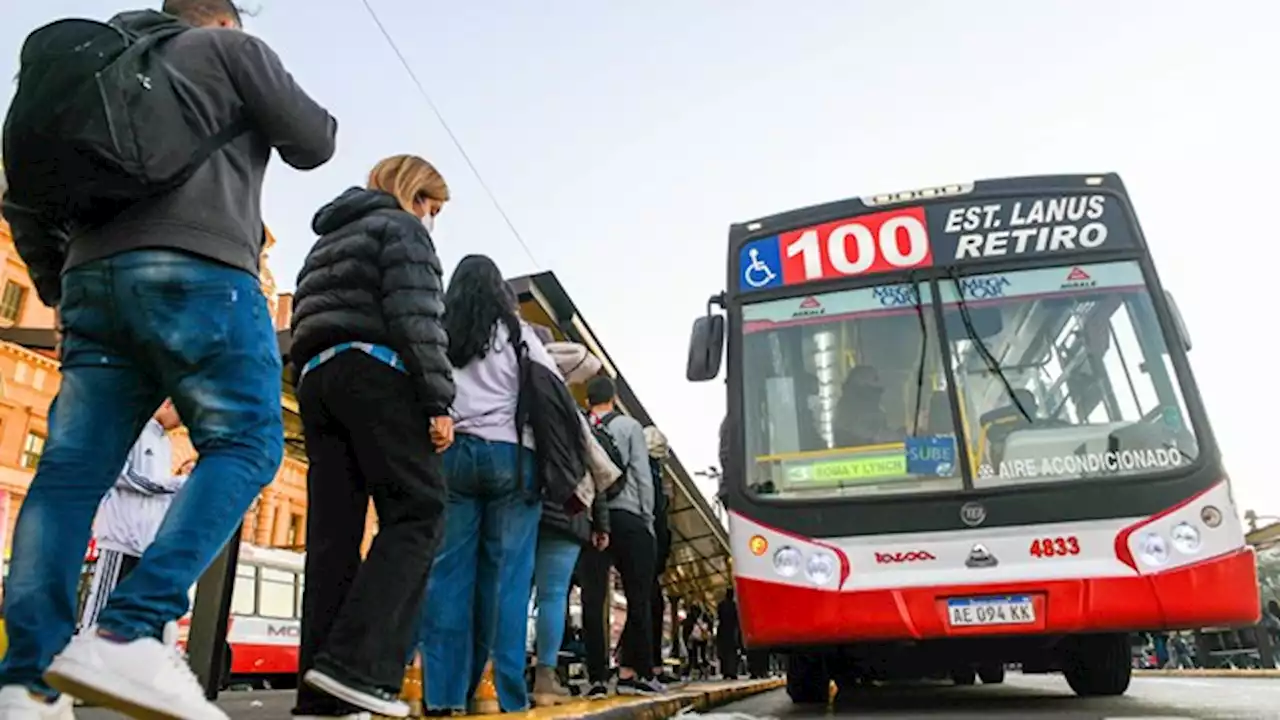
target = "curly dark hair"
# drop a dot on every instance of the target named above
(477, 300)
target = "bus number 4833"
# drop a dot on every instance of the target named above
(1055, 547)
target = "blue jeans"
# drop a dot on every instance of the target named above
(477, 601)
(553, 568)
(140, 327)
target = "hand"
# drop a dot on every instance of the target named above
(600, 541)
(442, 432)
(187, 467)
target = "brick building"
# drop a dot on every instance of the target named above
(29, 380)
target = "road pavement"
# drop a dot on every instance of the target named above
(1040, 697)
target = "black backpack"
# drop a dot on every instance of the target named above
(100, 121)
(600, 430)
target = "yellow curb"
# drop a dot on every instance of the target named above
(1211, 673)
(658, 708)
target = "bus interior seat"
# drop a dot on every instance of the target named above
(1145, 436)
(1036, 443)
(1000, 423)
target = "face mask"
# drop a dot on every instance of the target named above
(429, 222)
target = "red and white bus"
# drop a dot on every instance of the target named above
(265, 623)
(963, 432)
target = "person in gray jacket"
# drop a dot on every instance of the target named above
(632, 549)
(161, 300)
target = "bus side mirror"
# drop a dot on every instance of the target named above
(1183, 335)
(706, 347)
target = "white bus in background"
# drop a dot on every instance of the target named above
(266, 617)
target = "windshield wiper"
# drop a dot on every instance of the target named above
(993, 365)
(914, 279)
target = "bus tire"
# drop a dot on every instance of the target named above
(808, 680)
(991, 673)
(1099, 665)
(964, 676)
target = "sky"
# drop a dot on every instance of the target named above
(623, 138)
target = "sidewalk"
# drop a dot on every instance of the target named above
(275, 704)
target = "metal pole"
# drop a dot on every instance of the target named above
(207, 641)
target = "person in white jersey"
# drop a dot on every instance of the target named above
(133, 509)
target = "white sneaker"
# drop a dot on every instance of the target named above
(145, 679)
(18, 704)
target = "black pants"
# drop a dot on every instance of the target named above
(659, 602)
(728, 655)
(367, 437)
(659, 605)
(631, 550)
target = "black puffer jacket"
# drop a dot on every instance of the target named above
(373, 276)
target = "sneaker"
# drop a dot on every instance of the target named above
(143, 678)
(597, 691)
(16, 703)
(635, 686)
(375, 700)
(668, 679)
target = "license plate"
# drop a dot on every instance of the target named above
(971, 612)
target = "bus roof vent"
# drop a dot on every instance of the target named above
(913, 195)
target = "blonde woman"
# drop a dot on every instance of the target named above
(374, 383)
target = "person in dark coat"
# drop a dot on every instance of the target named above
(658, 451)
(561, 538)
(374, 388)
(728, 636)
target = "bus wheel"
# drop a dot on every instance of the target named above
(964, 676)
(808, 680)
(1098, 665)
(991, 674)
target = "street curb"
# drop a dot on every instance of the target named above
(665, 707)
(1215, 673)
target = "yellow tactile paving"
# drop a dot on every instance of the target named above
(586, 707)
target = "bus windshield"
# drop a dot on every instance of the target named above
(1059, 373)
(1094, 393)
(835, 387)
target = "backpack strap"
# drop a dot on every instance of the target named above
(521, 349)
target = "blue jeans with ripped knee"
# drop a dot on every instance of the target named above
(139, 327)
(477, 600)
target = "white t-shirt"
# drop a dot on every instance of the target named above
(133, 509)
(487, 389)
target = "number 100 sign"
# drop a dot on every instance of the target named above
(868, 244)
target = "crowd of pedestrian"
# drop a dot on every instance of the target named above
(433, 400)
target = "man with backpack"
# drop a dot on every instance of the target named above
(631, 549)
(135, 153)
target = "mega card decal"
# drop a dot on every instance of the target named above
(955, 233)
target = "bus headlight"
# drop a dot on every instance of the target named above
(1186, 538)
(1211, 516)
(820, 568)
(1155, 551)
(786, 561)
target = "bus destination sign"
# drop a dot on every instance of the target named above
(956, 233)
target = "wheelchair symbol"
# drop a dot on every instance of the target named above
(757, 274)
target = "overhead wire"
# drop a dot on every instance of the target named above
(422, 90)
